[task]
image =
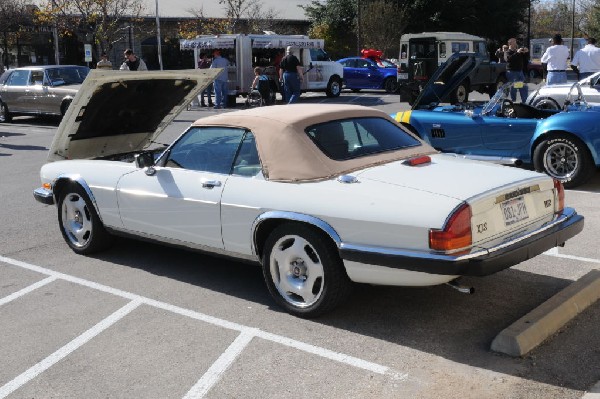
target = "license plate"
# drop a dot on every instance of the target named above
(403, 76)
(514, 210)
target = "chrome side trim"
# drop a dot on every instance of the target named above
(298, 217)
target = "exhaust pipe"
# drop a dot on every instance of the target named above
(492, 159)
(460, 288)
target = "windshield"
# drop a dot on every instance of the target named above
(358, 137)
(317, 54)
(67, 75)
(501, 94)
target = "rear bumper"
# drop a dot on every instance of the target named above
(44, 196)
(480, 261)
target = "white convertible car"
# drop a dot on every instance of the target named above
(321, 195)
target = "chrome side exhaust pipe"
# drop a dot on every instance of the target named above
(460, 288)
(492, 159)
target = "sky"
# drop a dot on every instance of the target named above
(285, 9)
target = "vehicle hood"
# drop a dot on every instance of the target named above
(116, 112)
(449, 176)
(445, 80)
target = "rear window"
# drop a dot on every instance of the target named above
(358, 137)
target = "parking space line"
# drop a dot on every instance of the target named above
(63, 352)
(554, 252)
(247, 332)
(27, 290)
(214, 373)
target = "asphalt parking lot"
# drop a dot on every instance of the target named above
(142, 320)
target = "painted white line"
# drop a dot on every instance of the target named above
(214, 373)
(63, 352)
(27, 290)
(554, 252)
(593, 393)
(339, 357)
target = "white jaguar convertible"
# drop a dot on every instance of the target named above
(323, 196)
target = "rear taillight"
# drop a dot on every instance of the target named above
(559, 195)
(456, 233)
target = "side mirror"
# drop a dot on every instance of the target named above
(144, 159)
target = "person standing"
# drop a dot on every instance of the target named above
(204, 63)
(104, 63)
(587, 60)
(556, 57)
(132, 62)
(291, 74)
(220, 82)
(516, 60)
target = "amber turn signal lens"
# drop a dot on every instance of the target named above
(47, 186)
(418, 161)
(456, 234)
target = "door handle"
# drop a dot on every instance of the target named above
(210, 183)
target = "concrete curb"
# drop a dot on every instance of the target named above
(533, 328)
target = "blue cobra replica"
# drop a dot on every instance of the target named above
(565, 143)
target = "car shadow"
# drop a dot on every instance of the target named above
(436, 320)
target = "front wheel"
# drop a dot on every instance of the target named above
(303, 271)
(334, 87)
(565, 158)
(5, 116)
(79, 223)
(390, 85)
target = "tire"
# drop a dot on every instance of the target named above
(533, 74)
(545, 103)
(460, 94)
(334, 87)
(5, 116)
(79, 223)
(64, 106)
(565, 158)
(303, 270)
(390, 85)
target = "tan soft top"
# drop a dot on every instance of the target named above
(288, 154)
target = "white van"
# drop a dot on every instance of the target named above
(245, 52)
(537, 47)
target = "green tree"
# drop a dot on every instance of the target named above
(15, 15)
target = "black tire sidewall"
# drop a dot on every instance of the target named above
(585, 164)
(331, 84)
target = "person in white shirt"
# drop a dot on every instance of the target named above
(556, 57)
(587, 60)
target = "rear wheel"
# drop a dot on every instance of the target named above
(545, 103)
(5, 116)
(64, 106)
(494, 87)
(460, 94)
(565, 158)
(334, 87)
(79, 223)
(303, 271)
(390, 85)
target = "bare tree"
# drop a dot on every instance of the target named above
(104, 21)
(247, 16)
(382, 23)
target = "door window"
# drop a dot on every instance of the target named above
(210, 149)
(18, 78)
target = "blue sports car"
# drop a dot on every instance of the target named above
(364, 73)
(565, 143)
